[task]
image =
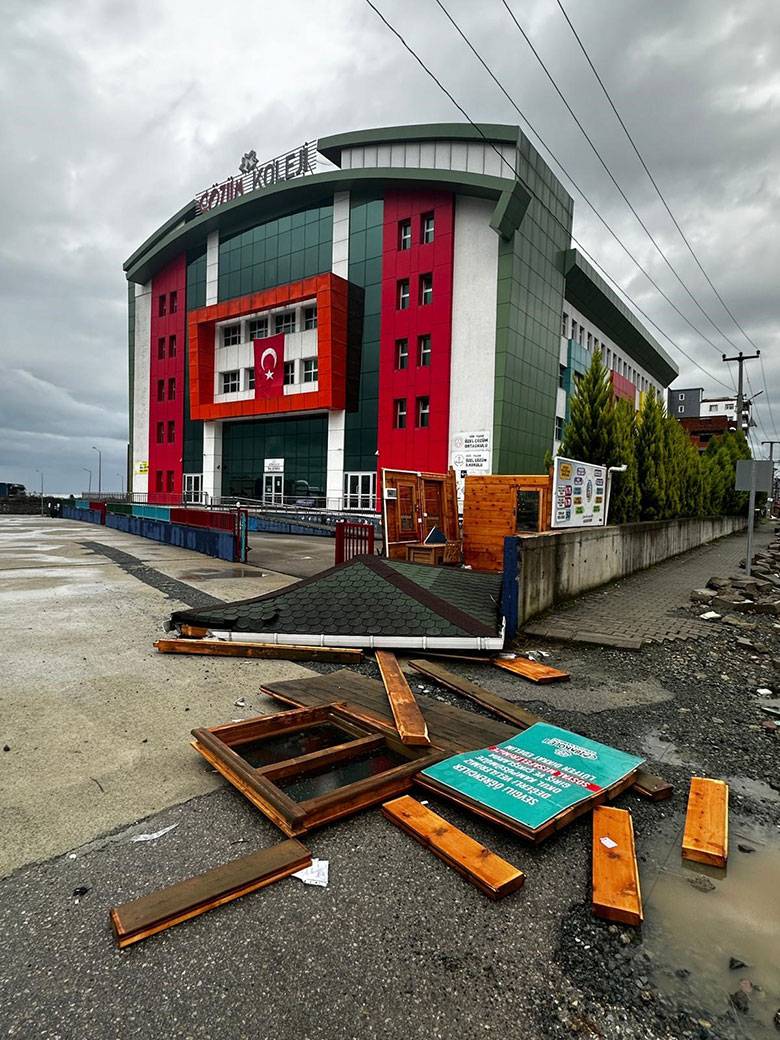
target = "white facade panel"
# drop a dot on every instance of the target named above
(412, 155)
(340, 260)
(474, 288)
(141, 389)
(212, 459)
(466, 156)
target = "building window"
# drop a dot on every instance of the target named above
(360, 490)
(310, 318)
(405, 234)
(564, 324)
(160, 432)
(171, 431)
(681, 409)
(424, 351)
(258, 328)
(158, 480)
(399, 413)
(289, 373)
(171, 346)
(231, 335)
(559, 424)
(284, 322)
(681, 397)
(590, 341)
(401, 353)
(423, 412)
(250, 378)
(402, 294)
(171, 389)
(160, 389)
(230, 382)
(713, 408)
(426, 289)
(161, 307)
(174, 302)
(310, 370)
(574, 331)
(161, 348)
(561, 376)
(169, 481)
(426, 228)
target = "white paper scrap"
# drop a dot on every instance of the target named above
(240, 703)
(764, 691)
(157, 834)
(316, 874)
(710, 615)
(608, 843)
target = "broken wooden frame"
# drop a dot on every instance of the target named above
(346, 765)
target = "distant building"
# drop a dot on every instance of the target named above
(702, 429)
(685, 404)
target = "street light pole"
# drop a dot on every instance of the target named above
(122, 482)
(87, 470)
(100, 469)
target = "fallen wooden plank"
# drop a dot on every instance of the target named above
(154, 913)
(498, 705)
(193, 631)
(706, 836)
(409, 720)
(490, 873)
(653, 787)
(616, 892)
(531, 670)
(222, 648)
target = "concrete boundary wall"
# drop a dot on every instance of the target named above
(558, 565)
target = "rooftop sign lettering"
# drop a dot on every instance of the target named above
(255, 176)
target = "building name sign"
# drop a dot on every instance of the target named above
(256, 176)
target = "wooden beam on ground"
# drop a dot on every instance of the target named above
(531, 670)
(490, 873)
(616, 892)
(277, 651)
(653, 787)
(498, 705)
(706, 836)
(409, 720)
(193, 631)
(154, 913)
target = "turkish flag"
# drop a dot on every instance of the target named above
(269, 366)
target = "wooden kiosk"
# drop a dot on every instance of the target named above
(495, 507)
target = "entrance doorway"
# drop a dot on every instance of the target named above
(193, 487)
(273, 489)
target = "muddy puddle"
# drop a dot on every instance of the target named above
(697, 918)
(208, 574)
(656, 746)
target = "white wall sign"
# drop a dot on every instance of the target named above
(472, 452)
(256, 175)
(273, 466)
(579, 497)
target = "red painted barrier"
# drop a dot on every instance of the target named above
(353, 539)
(204, 518)
(99, 507)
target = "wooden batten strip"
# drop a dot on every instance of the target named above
(267, 651)
(498, 705)
(488, 872)
(706, 836)
(531, 670)
(616, 892)
(409, 720)
(154, 913)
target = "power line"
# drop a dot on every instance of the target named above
(612, 177)
(661, 196)
(504, 160)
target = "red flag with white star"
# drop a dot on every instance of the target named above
(269, 366)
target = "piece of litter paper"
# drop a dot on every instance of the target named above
(316, 874)
(240, 703)
(157, 834)
(608, 843)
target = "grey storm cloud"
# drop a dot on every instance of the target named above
(115, 114)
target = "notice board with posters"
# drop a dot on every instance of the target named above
(579, 496)
(535, 781)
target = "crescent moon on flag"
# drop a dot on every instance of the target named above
(266, 352)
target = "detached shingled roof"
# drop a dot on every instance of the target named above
(367, 596)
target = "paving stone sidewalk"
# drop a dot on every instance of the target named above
(645, 607)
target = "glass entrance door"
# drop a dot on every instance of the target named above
(193, 487)
(273, 494)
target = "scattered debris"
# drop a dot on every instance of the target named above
(740, 1001)
(532, 670)
(745, 848)
(705, 839)
(735, 963)
(81, 890)
(6, 747)
(315, 874)
(153, 837)
(710, 615)
(701, 883)
(409, 719)
(288, 652)
(616, 893)
(240, 703)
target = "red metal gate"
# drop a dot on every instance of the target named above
(353, 539)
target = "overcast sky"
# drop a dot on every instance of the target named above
(116, 112)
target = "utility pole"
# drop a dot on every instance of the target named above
(100, 462)
(741, 359)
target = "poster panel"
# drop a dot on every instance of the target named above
(579, 497)
(533, 777)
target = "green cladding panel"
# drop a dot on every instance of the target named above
(284, 250)
(528, 326)
(301, 442)
(365, 269)
(192, 452)
(130, 380)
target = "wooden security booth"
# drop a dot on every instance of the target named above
(495, 507)
(421, 516)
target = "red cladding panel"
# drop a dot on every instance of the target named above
(414, 447)
(623, 388)
(166, 369)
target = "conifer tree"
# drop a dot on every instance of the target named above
(651, 452)
(589, 433)
(625, 499)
